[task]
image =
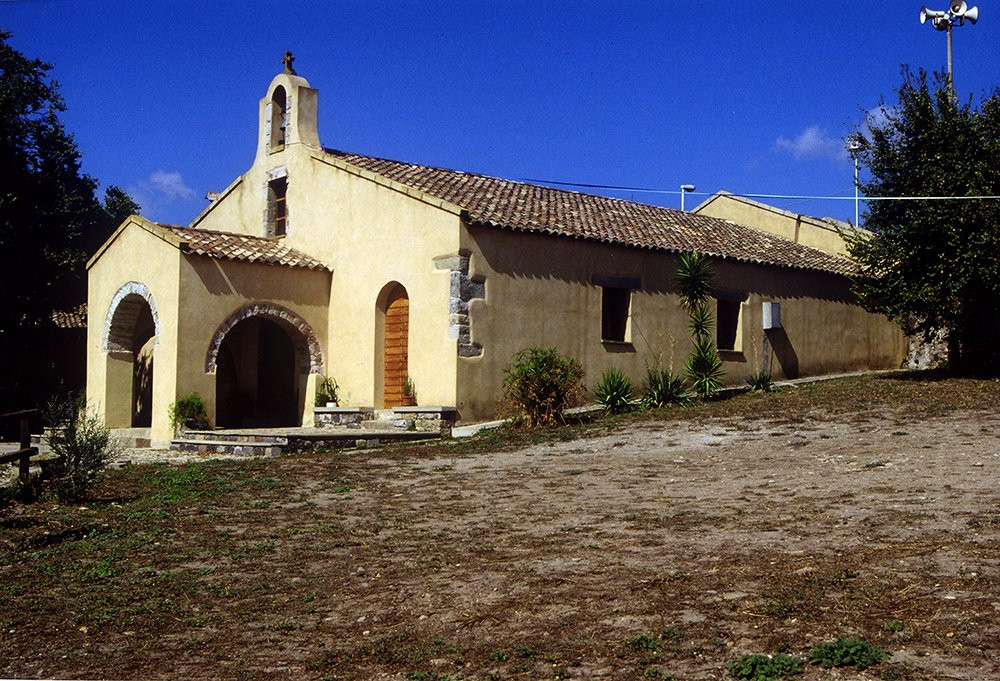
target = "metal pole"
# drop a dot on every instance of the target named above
(951, 83)
(856, 222)
(682, 199)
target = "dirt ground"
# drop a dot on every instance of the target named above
(651, 549)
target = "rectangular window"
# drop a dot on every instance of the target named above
(728, 334)
(277, 211)
(615, 308)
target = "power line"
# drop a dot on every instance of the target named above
(649, 190)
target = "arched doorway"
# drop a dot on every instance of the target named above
(394, 315)
(262, 357)
(130, 336)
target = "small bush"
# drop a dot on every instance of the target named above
(642, 641)
(761, 382)
(615, 391)
(704, 368)
(848, 652)
(540, 384)
(84, 445)
(189, 411)
(663, 387)
(765, 667)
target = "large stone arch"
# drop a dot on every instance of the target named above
(302, 333)
(126, 306)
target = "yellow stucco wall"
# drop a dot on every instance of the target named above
(213, 290)
(539, 291)
(803, 229)
(370, 233)
(134, 255)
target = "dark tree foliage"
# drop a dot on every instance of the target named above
(934, 265)
(50, 222)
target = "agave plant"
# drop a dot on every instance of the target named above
(761, 381)
(663, 387)
(615, 391)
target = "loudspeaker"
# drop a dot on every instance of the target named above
(926, 14)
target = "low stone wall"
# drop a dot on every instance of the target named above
(427, 419)
(341, 417)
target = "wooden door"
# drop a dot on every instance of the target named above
(397, 325)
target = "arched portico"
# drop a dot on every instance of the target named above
(130, 335)
(262, 356)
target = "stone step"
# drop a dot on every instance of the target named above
(262, 437)
(227, 447)
(132, 437)
(305, 441)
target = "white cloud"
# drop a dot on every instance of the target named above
(170, 185)
(161, 191)
(813, 143)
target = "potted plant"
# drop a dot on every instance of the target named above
(189, 413)
(326, 392)
(409, 393)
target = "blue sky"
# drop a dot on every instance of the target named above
(750, 97)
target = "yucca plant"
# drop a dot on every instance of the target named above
(700, 320)
(694, 278)
(704, 365)
(615, 391)
(704, 368)
(663, 387)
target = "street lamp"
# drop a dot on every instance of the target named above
(685, 188)
(853, 148)
(956, 15)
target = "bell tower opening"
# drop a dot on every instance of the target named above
(279, 118)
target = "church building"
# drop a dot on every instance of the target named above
(319, 262)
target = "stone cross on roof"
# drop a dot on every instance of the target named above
(287, 61)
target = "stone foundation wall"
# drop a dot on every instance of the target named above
(342, 417)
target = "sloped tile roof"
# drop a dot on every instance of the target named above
(230, 246)
(506, 204)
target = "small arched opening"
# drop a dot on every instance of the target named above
(392, 340)
(130, 336)
(279, 118)
(262, 357)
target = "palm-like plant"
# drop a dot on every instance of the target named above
(704, 365)
(694, 278)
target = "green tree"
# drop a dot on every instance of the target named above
(50, 221)
(934, 265)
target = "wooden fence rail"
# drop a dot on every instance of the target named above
(24, 454)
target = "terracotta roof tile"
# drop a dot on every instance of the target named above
(519, 206)
(230, 246)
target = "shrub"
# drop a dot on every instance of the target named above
(540, 383)
(189, 411)
(84, 446)
(761, 381)
(848, 652)
(704, 368)
(326, 391)
(663, 387)
(765, 667)
(615, 391)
